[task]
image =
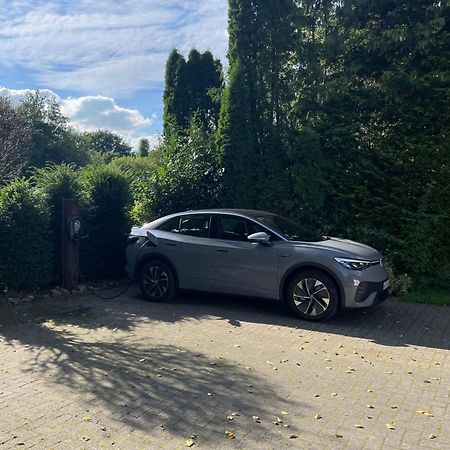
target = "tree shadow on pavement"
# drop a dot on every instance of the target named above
(143, 385)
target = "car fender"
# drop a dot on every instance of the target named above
(155, 255)
(311, 265)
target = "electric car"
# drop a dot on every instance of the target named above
(258, 254)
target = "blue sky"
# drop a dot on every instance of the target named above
(103, 59)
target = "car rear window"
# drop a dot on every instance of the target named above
(195, 225)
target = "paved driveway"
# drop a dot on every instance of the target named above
(89, 373)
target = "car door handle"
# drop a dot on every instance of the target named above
(171, 245)
(222, 250)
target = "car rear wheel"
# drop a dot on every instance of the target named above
(312, 295)
(157, 281)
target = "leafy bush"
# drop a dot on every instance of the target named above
(106, 205)
(186, 178)
(53, 183)
(400, 284)
(27, 255)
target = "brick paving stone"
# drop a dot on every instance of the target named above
(126, 374)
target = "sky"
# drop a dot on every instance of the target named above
(103, 59)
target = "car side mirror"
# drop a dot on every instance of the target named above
(260, 238)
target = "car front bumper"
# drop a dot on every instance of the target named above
(365, 288)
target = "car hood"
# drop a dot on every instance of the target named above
(343, 247)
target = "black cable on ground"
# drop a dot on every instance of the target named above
(130, 282)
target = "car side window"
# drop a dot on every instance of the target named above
(234, 228)
(171, 225)
(196, 225)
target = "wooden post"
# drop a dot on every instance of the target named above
(69, 250)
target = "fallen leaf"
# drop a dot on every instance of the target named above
(278, 421)
(358, 425)
(190, 442)
(432, 436)
(316, 395)
(284, 413)
(142, 360)
(428, 414)
(370, 417)
(390, 426)
(269, 362)
(333, 394)
(369, 390)
(394, 406)
(338, 435)
(370, 406)
(87, 419)
(230, 417)
(85, 438)
(230, 434)
(237, 345)
(293, 436)
(420, 411)
(235, 414)
(256, 419)
(317, 416)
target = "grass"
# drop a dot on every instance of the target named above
(430, 297)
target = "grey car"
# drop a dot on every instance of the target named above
(258, 254)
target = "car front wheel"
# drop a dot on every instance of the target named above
(312, 295)
(157, 281)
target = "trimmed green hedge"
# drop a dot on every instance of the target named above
(106, 205)
(30, 224)
(27, 257)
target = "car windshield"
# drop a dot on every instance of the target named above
(290, 230)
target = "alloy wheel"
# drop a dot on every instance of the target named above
(311, 297)
(156, 281)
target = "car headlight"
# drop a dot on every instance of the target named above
(356, 264)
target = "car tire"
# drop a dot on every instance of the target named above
(157, 281)
(312, 295)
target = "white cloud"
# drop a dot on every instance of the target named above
(104, 46)
(94, 112)
(91, 113)
(17, 95)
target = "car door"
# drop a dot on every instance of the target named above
(240, 266)
(186, 242)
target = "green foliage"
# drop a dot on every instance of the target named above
(26, 252)
(236, 145)
(429, 296)
(192, 87)
(53, 183)
(186, 177)
(15, 142)
(53, 141)
(399, 284)
(143, 148)
(107, 202)
(106, 143)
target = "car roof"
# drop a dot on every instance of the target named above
(242, 212)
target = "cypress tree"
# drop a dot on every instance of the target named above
(144, 147)
(236, 145)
